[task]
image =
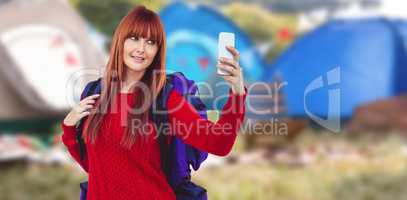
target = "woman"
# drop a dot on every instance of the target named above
(123, 161)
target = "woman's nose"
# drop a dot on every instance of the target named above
(141, 46)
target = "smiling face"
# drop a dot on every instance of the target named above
(139, 53)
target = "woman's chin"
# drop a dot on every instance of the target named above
(137, 68)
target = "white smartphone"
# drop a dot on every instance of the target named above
(225, 39)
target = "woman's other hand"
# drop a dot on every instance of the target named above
(81, 110)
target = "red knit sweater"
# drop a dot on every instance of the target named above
(119, 173)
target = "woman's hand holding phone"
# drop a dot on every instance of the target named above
(233, 73)
(81, 110)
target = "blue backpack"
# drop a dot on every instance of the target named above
(177, 158)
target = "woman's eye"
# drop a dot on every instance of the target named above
(134, 38)
(152, 42)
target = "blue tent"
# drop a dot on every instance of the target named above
(342, 64)
(192, 34)
(401, 26)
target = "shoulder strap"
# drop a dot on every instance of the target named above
(176, 149)
(90, 89)
(158, 113)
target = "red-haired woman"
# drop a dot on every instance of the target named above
(121, 161)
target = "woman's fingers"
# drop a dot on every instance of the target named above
(232, 67)
(87, 103)
(82, 108)
(229, 69)
(86, 113)
(91, 97)
(234, 52)
(229, 79)
(86, 107)
(89, 100)
(229, 65)
(230, 62)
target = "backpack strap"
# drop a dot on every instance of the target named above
(158, 113)
(91, 88)
(175, 81)
(176, 156)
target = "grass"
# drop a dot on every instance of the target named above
(39, 182)
(381, 174)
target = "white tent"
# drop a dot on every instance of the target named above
(46, 54)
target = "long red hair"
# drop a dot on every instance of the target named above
(140, 22)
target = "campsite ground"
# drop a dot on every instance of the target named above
(317, 166)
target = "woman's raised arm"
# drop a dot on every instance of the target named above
(216, 138)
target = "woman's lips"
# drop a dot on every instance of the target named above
(138, 59)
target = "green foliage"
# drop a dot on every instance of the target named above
(262, 25)
(105, 15)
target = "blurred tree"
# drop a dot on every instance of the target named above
(105, 15)
(263, 26)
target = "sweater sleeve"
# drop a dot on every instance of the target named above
(216, 138)
(69, 140)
